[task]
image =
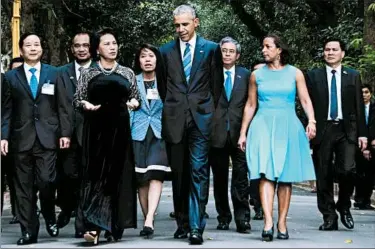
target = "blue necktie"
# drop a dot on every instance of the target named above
(186, 61)
(334, 108)
(33, 82)
(228, 85)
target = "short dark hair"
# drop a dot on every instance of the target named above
(285, 54)
(25, 35)
(159, 64)
(368, 86)
(82, 33)
(15, 60)
(335, 39)
(96, 40)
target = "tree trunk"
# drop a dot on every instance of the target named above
(369, 22)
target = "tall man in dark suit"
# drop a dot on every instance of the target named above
(189, 102)
(69, 161)
(365, 160)
(36, 121)
(336, 94)
(226, 131)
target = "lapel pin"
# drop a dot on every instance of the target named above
(239, 76)
(344, 72)
(201, 51)
(71, 77)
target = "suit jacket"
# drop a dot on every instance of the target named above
(149, 114)
(68, 79)
(371, 123)
(231, 110)
(351, 98)
(24, 118)
(200, 95)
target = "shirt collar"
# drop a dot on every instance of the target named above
(232, 70)
(329, 69)
(27, 67)
(86, 65)
(192, 41)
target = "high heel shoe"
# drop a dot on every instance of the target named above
(147, 232)
(92, 236)
(267, 235)
(281, 235)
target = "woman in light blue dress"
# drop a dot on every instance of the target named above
(276, 144)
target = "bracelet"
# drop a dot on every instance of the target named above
(312, 121)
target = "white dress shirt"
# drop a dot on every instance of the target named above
(192, 43)
(28, 74)
(338, 90)
(77, 66)
(232, 73)
(367, 111)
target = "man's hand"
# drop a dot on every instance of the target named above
(362, 143)
(367, 154)
(4, 147)
(373, 143)
(64, 143)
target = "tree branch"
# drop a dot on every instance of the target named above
(251, 23)
(70, 11)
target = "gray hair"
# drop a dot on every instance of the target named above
(184, 9)
(231, 40)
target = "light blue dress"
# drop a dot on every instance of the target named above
(277, 146)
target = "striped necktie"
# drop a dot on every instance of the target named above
(186, 61)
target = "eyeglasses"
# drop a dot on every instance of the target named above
(229, 51)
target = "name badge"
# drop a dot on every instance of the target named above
(48, 88)
(152, 94)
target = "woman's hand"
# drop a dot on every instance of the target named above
(311, 130)
(242, 142)
(87, 106)
(132, 104)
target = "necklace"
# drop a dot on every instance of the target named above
(106, 71)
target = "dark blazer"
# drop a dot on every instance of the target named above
(200, 95)
(68, 79)
(24, 119)
(371, 123)
(351, 98)
(232, 110)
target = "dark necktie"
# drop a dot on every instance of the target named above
(80, 69)
(334, 108)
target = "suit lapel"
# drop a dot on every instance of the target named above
(198, 55)
(324, 89)
(237, 79)
(23, 80)
(72, 74)
(42, 78)
(344, 83)
(176, 56)
(153, 101)
(142, 89)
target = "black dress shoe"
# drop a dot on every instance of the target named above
(27, 239)
(243, 227)
(195, 237)
(206, 216)
(223, 226)
(172, 215)
(52, 229)
(361, 206)
(180, 233)
(329, 225)
(63, 219)
(78, 235)
(258, 215)
(14, 220)
(346, 218)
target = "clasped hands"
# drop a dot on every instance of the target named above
(87, 106)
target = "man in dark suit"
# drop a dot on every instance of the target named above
(69, 161)
(7, 166)
(365, 160)
(189, 102)
(336, 95)
(36, 122)
(226, 131)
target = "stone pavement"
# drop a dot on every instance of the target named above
(303, 222)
